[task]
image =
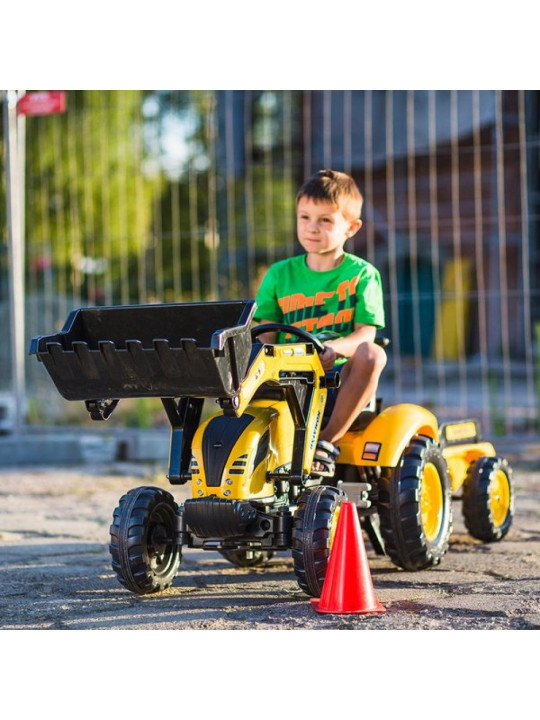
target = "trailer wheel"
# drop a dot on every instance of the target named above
(488, 499)
(314, 527)
(145, 555)
(247, 558)
(415, 506)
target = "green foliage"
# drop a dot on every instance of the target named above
(141, 413)
(88, 204)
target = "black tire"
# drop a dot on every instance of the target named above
(488, 499)
(315, 521)
(247, 558)
(144, 554)
(415, 506)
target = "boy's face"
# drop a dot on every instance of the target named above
(322, 228)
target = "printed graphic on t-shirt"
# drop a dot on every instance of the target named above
(311, 312)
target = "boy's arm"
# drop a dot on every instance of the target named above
(267, 337)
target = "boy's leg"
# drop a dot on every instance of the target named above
(359, 380)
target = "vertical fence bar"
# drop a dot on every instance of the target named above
(503, 271)
(232, 262)
(212, 235)
(248, 192)
(268, 188)
(347, 131)
(479, 252)
(392, 250)
(106, 202)
(288, 169)
(15, 185)
(47, 234)
(194, 233)
(142, 229)
(57, 241)
(307, 133)
(74, 217)
(413, 239)
(176, 238)
(437, 345)
(122, 206)
(459, 294)
(89, 250)
(327, 127)
(159, 280)
(176, 232)
(34, 279)
(525, 257)
(369, 189)
(157, 245)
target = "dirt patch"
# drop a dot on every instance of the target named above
(55, 569)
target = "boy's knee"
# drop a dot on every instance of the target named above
(370, 357)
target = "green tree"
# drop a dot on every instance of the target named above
(88, 201)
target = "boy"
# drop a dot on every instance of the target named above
(327, 289)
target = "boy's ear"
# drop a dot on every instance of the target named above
(354, 227)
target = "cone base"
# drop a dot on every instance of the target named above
(377, 609)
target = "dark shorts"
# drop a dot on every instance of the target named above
(330, 399)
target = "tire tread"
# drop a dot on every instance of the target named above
(399, 508)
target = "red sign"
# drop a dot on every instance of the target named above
(42, 103)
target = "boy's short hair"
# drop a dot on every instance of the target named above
(335, 187)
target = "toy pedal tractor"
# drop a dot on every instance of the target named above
(249, 464)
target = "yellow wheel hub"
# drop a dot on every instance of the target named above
(499, 497)
(431, 502)
(333, 524)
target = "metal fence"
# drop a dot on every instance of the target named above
(135, 196)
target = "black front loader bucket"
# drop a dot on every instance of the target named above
(172, 350)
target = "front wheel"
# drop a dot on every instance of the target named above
(488, 499)
(314, 527)
(145, 555)
(415, 506)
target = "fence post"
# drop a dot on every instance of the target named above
(14, 139)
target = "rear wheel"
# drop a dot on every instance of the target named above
(314, 527)
(247, 558)
(415, 506)
(145, 556)
(488, 499)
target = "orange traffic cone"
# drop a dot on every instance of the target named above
(347, 586)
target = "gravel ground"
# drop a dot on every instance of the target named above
(55, 571)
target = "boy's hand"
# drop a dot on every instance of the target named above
(328, 357)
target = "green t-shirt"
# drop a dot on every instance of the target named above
(333, 300)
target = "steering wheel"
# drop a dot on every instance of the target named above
(298, 332)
